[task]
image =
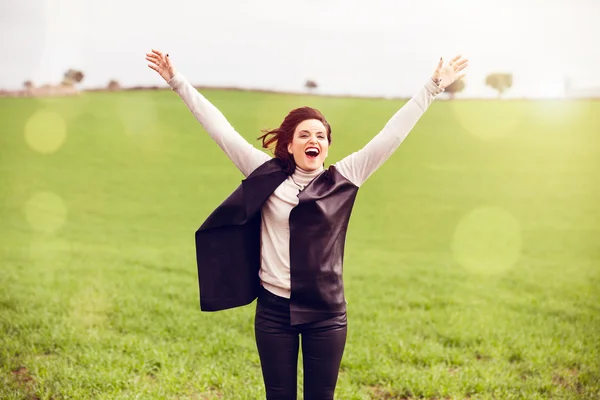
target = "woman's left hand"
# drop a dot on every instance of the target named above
(446, 74)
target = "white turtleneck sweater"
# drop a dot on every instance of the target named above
(357, 167)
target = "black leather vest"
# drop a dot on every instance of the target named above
(228, 244)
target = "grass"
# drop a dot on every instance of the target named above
(472, 262)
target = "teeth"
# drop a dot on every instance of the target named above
(312, 151)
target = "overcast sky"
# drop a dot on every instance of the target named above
(375, 47)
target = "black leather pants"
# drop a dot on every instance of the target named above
(278, 342)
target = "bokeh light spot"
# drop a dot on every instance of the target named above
(487, 241)
(489, 119)
(46, 212)
(45, 131)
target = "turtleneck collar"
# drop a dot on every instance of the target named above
(304, 177)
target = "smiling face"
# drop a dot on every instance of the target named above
(310, 145)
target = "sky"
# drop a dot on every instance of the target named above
(349, 47)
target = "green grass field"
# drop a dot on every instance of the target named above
(472, 262)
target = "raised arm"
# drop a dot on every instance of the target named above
(358, 166)
(245, 157)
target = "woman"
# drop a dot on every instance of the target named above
(280, 236)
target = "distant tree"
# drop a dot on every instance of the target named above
(499, 82)
(311, 85)
(114, 85)
(28, 85)
(456, 87)
(72, 76)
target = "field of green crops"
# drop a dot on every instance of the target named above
(472, 264)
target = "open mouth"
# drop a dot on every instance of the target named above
(312, 152)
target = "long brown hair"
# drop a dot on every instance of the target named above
(279, 138)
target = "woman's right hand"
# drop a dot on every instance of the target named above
(161, 63)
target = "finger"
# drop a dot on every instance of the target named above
(152, 55)
(438, 68)
(157, 52)
(154, 67)
(455, 59)
(154, 62)
(461, 62)
(461, 67)
(460, 76)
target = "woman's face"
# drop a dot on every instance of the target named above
(310, 145)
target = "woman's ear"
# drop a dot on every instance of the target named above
(290, 148)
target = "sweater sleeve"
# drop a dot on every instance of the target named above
(358, 166)
(245, 157)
